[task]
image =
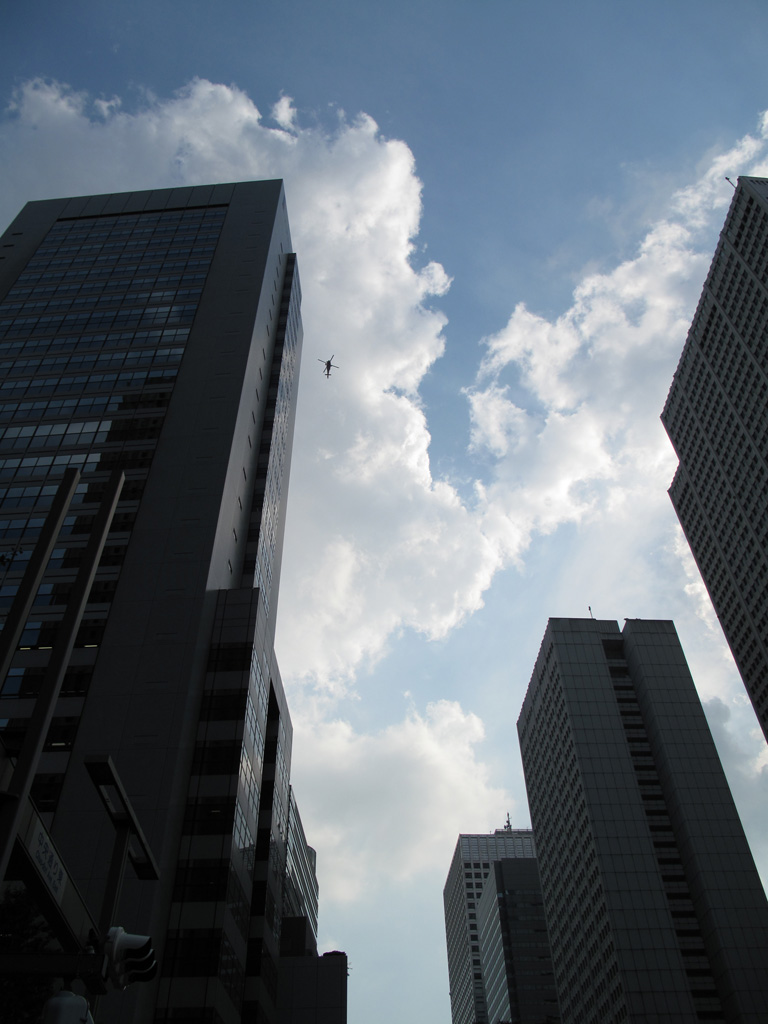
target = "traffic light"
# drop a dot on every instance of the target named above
(67, 1008)
(129, 957)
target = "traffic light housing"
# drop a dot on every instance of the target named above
(130, 957)
(67, 1008)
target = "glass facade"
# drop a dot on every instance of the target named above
(92, 335)
(160, 333)
(281, 398)
(301, 891)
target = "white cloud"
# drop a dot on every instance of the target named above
(388, 805)
(694, 586)
(377, 544)
(706, 196)
(497, 423)
(581, 439)
(742, 749)
(284, 112)
(564, 420)
(362, 440)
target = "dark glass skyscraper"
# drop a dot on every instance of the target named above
(160, 332)
(654, 907)
(716, 416)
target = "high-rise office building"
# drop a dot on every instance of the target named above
(493, 922)
(159, 332)
(311, 989)
(654, 907)
(716, 416)
(514, 946)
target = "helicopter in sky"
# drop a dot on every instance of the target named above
(328, 364)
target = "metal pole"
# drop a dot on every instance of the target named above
(111, 897)
(114, 886)
(37, 731)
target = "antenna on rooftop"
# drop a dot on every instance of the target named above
(590, 611)
(729, 181)
(508, 826)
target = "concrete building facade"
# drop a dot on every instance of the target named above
(160, 332)
(654, 906)
(716, 416)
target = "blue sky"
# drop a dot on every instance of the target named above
(504, 213)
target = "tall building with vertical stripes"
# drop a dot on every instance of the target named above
(654, 907)
(160, 332)
(514, 945)
(716, 416)
(498, 955)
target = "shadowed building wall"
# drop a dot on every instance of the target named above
(160, 332)
(716, 416)
(514, 946)
(654, 906)
(471, 866)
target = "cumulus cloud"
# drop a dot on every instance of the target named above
(497, 423)
(562, 420)
(390, 804)
(374, 542)
(284, 112)
(580, 440)
(362, 484)
(694, 586)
